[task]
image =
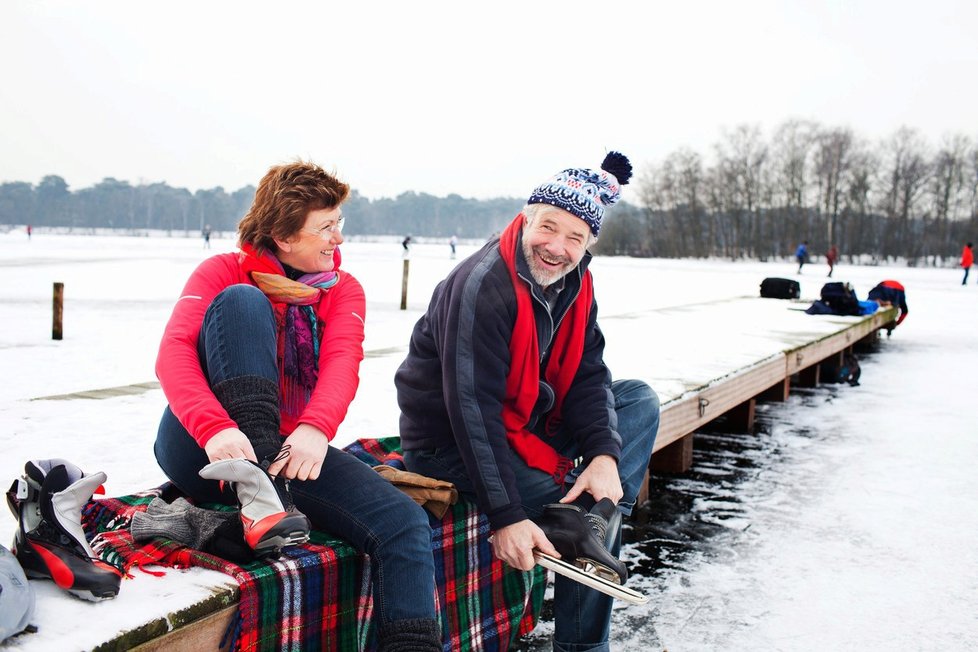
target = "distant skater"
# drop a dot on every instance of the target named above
(801, 254)
(29, 231)
(206, 233)
(967, 260)
(453, 243)
(831, 256)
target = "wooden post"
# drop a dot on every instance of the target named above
(643, 491)
(677, 457)
(808, 377)
(777, 393)
(59, 297)
(404, 283)
(739, 418)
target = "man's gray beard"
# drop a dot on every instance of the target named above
(543, 278)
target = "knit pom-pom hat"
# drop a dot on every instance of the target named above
(584, 192)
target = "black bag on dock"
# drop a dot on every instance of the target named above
(841, 298)
(780, 288)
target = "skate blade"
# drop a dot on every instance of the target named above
(273, 546)
(596, 582)
(599, 569)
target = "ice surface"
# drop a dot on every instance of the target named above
(855, 526)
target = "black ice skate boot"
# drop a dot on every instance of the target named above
(581, 537)
(50, 543)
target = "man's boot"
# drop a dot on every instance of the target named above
(269, 519)
(605, 521)
(50, 542)
(581, 537)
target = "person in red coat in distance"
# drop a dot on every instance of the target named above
(967, 260)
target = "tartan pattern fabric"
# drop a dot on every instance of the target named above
(317, 596)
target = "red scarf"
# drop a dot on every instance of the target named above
(523, 381)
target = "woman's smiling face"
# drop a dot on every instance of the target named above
(311, 249)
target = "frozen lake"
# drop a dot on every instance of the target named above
(846, 522)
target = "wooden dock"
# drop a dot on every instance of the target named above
(769, 346)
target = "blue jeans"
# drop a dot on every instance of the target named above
(582, 616)
(348, 500)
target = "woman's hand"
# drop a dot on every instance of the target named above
(307, 450)
(229, 444)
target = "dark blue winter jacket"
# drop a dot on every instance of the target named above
(450, 388)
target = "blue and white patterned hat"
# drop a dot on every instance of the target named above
(584, 192)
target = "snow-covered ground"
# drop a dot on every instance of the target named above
(853, 527)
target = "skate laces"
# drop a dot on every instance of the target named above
(283, 453)
(280, 482)
(598, 525)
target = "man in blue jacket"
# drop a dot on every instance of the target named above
(505, 393)
(801, 255)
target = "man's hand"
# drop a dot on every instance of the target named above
(600, 479)
(308, 446)
(229, 444)
(514, 544)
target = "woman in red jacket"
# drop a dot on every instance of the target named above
(259, 363)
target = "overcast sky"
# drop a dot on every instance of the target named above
(478, 98)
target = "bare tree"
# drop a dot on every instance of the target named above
(948, 191)
(741, 158)
(791, 154)
(863, 233)
(831, 164)
(905, 177)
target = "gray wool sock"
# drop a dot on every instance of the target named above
(179, 521)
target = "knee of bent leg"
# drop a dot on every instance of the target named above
(240, 302)
(241, 296)
(636, 393)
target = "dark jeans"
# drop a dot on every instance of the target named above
(348, 500)
(582, 616)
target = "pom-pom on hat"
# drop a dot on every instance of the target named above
(584, 192)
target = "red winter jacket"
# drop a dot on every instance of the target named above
(341, 308)
(967, 257)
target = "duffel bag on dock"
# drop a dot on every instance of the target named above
(780, 288)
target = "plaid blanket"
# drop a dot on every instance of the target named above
(317, 596)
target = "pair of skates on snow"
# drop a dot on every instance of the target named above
(584, 538)
(50, 542)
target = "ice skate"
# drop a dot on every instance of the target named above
(269, 519)
(582, 538)
(50, 543)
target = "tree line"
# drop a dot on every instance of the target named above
(749, 197)
(759, 198)
(118, 204)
